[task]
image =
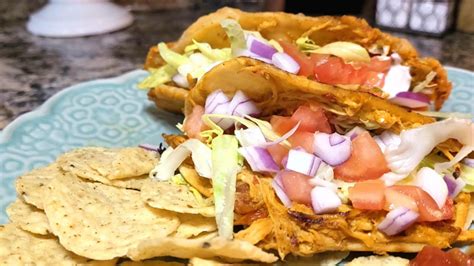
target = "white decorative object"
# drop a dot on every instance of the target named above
(74, 18)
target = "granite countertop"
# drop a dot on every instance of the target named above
(33, 68)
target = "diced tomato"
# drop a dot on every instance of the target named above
(460, 258)
(304, 140)
(379, 64)
(368, 195)
(306, 66)
(278, 152)
(312, 119)
(193, 124)
(394, 199)
(433, 256)
(427, 207)
(366, 161)
(297, 186)
(333, 70)
(281, 124)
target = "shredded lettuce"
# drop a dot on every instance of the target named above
(157, 77)
(446, 114)
(248, 122)
(307, 45)
(467, 175)
(236, 35)
(200, 154)
(348, 51)
(225, 166)
(172, 58)
(425, 83)
(213, 54)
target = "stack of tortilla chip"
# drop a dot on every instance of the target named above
(97, 206)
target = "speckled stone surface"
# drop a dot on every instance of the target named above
(34, 68)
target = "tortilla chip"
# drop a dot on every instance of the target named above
(322, 259)
(151, 262)
(18, 247)
(105, 164)
(176, 198)
(102, 222)
(379, 260)
(28, 217)
(192, 225)
(135, 183)
(201, 184)
(32, 186)
(189, 248)
(256, 232)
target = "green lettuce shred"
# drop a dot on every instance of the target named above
(467, 175)
(172, 58)
(225, 166)
(213, 54)
(236, 35)
(158, 76)
(307, 45)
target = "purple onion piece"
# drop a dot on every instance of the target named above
(454, 185)
(414, 96)
(397, 221)
(259, 159)
(468, 161)
(280, 192)
(302, 162)
(150, 147)
(285, 62)
(262, 49)
(335, 139)
(354, 132)
(214, 101)
(331, 154)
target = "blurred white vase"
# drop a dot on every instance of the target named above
(75, 18)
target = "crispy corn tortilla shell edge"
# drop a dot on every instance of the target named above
(279, 25)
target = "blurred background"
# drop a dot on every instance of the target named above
(32, 68)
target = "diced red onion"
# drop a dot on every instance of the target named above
(259, 159)
(241, 105)
(284, 161)
(262, 49)
(285, 62)
(411, 99)
(324, 200)
(454, 185)
(278, 187)
(216, 103)
(150, 147)
(302, 162)
(469, 162)
(250, 137)
(433, 184)
(356, 131)
(247, 53)
(398, 220)
(332, 154)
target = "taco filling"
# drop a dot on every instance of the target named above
(299, 182)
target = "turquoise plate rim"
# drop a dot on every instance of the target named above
(44, 108)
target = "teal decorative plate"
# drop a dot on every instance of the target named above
(113, 112)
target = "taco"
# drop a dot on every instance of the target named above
(339, 51)
(299, 167)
